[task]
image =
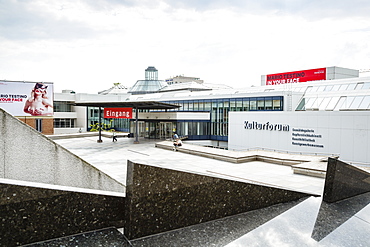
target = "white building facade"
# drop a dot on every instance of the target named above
(338, 133)
(328, 116)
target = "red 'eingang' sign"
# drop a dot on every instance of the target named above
(118, 113)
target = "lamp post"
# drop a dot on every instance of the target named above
(136, 126)
(100, 140)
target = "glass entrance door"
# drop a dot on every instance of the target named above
(159, 130)
(165, 130)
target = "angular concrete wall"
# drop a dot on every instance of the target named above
(160, 199)
(344, 181)
(30, 214)
(27, 155)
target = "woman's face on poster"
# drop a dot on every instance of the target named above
(40, 91)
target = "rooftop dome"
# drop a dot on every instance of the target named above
(147, 86)
(151, 84)
(118, 88)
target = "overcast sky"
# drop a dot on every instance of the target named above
(88, 45)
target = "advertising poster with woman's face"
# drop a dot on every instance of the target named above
(26, 98)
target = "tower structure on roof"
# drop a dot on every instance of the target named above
(151, 84)
(151, 73)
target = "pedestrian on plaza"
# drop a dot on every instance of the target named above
(175, 136)
(176, 144)
(114, 135)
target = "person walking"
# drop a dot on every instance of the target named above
(114, 135)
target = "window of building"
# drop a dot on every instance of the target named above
(190, 128)
(278, 104)
(191, 106)
(356, 102)
(219, 110)
(225, 111)
(324, 104)
(207, 105)
(314, 89)
(185, 106)
(318, 103)
(118, 124)
(351, 86)
(253, 104)
(365, 104)
(246, 105)
(344, 103)
(348, 102)
(232, 105)
(64, 122)
(301, 105)
(343, 87)
(335, 88)
(239, 105)
(366, 85)
(94, 112)
(63, 106)
(321, 88)
(201, 105)
(310, 103)
(261, 104)
(340, 103)
(181, 104)
(225, 130)
(268, 104)
(196, 105)
(38, 124)
(359, 86)
(333, 102)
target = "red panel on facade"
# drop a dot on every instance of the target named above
(117, 112)
(296, 76)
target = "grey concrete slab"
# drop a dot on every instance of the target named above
(30, 156)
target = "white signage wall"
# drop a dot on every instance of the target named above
(346, 134)
(26, 98)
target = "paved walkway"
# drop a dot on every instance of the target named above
(311, 165)
(111, 158)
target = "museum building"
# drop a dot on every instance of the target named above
(324, 110)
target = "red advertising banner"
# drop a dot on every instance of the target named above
(22, 99)
(118, 113)
(296, 76)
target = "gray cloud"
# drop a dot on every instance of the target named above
(310, 9)
(304, 8)
(111, 4)
(19, 21)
